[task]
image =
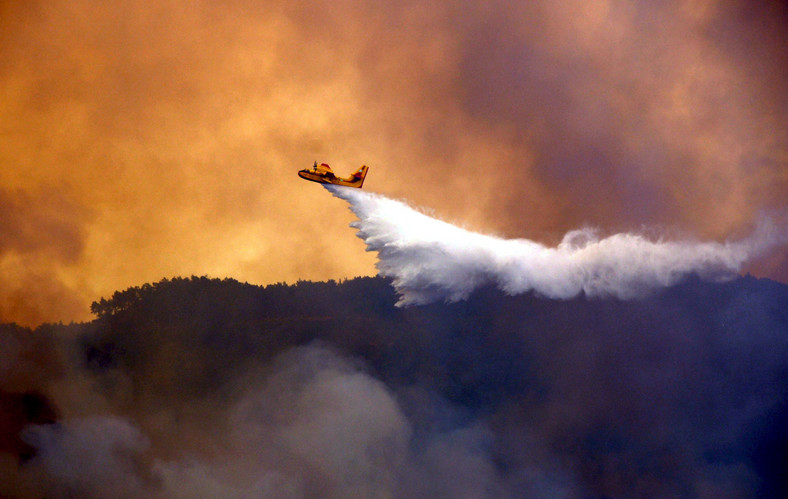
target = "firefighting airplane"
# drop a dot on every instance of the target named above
(322, 173)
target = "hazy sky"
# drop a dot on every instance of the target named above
(144, 140)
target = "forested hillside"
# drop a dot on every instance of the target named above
(330, 387)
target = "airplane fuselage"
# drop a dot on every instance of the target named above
(322, 174)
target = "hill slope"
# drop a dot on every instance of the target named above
(199, 384)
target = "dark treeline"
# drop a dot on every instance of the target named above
(644, 397)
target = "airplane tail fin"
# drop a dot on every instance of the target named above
(359, 176)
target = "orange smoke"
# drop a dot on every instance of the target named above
(144, 141)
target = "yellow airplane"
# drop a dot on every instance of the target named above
(322, 173)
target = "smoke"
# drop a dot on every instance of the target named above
(131, 133)
(430, 260)
(311, 423)
(96, 456)
(340, 428)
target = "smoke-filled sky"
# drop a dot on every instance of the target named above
(144, 140)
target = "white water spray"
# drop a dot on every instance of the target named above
(430, 260)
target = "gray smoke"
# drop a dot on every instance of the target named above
(312, 423)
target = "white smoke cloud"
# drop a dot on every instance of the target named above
(431, 260)
(97, 456)
(338, 427)
(312, 423)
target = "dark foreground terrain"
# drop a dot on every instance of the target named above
(205, 387)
